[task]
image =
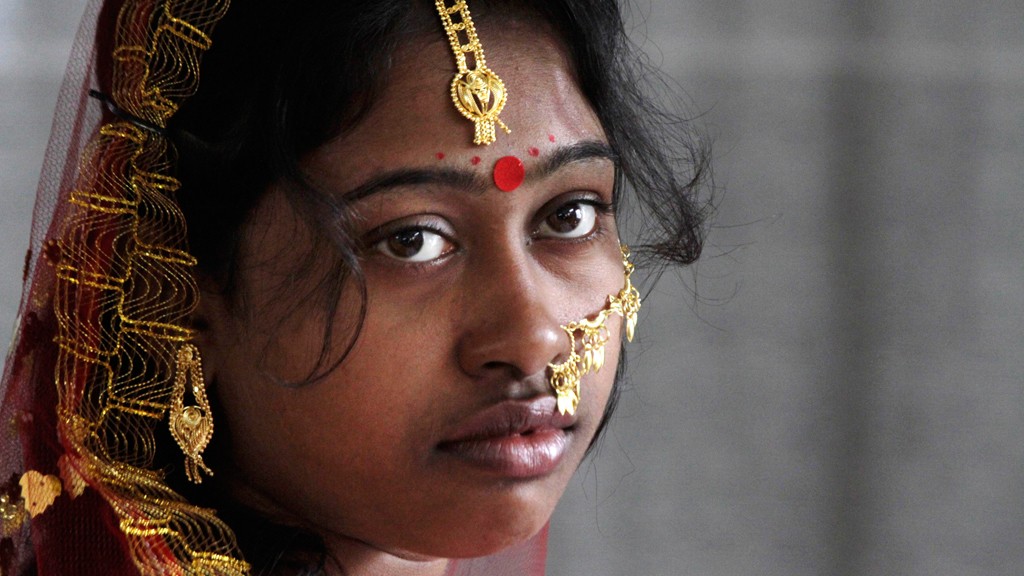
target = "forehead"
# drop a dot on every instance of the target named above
(414, 122)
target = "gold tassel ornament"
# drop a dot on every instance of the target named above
(191, 426)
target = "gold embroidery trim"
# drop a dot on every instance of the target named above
(123, 294)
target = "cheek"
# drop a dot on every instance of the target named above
(320, 457)
(373, 394)
(351, 431)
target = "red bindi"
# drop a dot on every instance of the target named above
(440, 155)
(551, 137)
(508, 173)
(534, 151)
(475, 160)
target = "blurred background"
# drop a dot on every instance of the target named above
(837, 388)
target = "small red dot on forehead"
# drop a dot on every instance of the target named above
(551, 137)
(534, 151)
(508, 173)
(440, 155)
(475, 160)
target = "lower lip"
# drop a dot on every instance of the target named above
(519, 456)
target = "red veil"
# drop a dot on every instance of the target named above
(107, 292)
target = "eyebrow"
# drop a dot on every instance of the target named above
(582, 151)
(473, 181)
(450, 177)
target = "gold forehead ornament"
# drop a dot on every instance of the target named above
(565, 377)
(478, 94)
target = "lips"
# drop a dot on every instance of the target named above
(513, 439)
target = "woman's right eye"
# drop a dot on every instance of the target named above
(414, 245)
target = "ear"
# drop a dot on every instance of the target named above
(211, 321)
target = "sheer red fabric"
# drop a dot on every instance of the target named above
(83, 537)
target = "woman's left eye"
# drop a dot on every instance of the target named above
(571, 220)
(414, 245)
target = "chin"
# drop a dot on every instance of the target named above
(491, 540)
(488, 529)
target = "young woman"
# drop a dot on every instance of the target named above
(376, 244)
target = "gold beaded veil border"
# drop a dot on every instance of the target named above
(122, 292)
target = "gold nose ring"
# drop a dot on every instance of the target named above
(565, 377)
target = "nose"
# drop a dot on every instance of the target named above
(510, 328)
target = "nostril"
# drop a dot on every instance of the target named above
(494, 365)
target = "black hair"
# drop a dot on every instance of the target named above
(284, 78)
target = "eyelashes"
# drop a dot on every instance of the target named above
(430, 239)
(415, 245)
(571, 220)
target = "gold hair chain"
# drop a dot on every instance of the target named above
(478, 94)
(565, 377)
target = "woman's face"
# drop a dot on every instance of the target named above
(438, 435)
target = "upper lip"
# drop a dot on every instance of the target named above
(511, 418)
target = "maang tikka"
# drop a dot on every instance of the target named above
(191, 426)
(565, 377)
(478, 94)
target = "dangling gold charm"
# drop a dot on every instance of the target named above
(38, 491)
(478, 94)
(191, 426)
(566, 377)
(565, 380)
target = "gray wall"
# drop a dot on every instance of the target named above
(843, 395)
